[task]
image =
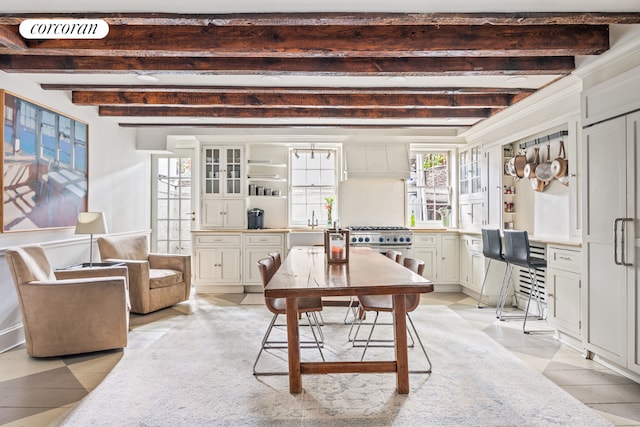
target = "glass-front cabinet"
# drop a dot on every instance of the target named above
(224, 173)
(471, 171)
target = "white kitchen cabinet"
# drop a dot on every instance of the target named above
(471, 263)
(471, 214)
(256, 247)
(449, 259)
(439, 251)
(563, 287)
(493, 187)
(223, 171)
(220, 213)
(611, 302)
(217, 266)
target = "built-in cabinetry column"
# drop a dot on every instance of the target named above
(611, 213)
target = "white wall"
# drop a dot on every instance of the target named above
(119, 185)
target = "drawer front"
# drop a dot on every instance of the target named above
(420, 239)
(217, 240)
(263, 239)
(564, 259)
(473, 243)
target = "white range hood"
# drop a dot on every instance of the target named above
(370, 160)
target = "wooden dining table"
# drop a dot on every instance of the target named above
(306, 273)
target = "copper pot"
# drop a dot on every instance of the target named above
(519, 162)
(559, 165)
(530, 168)
(543, 171)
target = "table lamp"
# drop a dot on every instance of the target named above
(91, 223)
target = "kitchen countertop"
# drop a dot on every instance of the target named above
(549, 240)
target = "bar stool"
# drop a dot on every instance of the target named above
(492, 249)
(394, 255)
(518, 252)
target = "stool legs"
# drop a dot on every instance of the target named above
(484, 281)
(535, 289)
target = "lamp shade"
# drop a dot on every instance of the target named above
(91, 223)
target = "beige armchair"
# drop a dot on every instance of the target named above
(155, 280)
(69, 311)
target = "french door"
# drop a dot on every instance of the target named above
(173, 211)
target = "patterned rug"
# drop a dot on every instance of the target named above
(200, 374)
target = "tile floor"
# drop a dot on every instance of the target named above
(36, 392)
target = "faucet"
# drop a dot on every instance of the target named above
(313, 222)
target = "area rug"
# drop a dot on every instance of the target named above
(200, 374)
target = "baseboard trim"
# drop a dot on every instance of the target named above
(11, 337)
(219, 289)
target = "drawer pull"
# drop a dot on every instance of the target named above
(566, 258)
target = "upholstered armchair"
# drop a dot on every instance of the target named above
(155, 280)
(69, 311)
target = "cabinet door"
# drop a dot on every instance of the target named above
(476, 271)
(563, 300)
(465, 262)
(604, 157)
(448, 270)
(206, 265)
(230, 268)
(251, 257)
(223, 171)
(493, 187)
(212, 214)
(235, 214)
(223, 213)
(428, 255)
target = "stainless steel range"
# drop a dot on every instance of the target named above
(381, 238)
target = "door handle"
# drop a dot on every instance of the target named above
(615, 241)
(623, 232)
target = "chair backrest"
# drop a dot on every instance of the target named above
(394, 255)
(277, 259)
(516, 248)
(28, 264)
(124, 247)
(492, 244)
(414, 264)
(267, 268)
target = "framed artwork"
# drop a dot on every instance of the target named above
(45, 157)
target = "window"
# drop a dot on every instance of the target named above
(428, 186)
(313, 186)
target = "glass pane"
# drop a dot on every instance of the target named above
(162, 231)
(162, 246)
(174, 230)
(174, 208)
(185, 230)
(163, 209)
(313, 177)
(299, 177)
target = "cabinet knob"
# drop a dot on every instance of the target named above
(550, 295)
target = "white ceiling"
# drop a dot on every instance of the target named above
(260, 6)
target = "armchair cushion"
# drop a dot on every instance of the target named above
(160, 278)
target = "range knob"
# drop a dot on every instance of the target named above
(408, 239)
(402, 239)
(353, 240)
(366, 239)
(381, 239)
(395, 239)
(360, 239)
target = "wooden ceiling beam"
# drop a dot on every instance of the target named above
(10, 39)
(288, 89)
(425, 66)
(339, 18)
(337, 41)
(267, 98)
(297, 112)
